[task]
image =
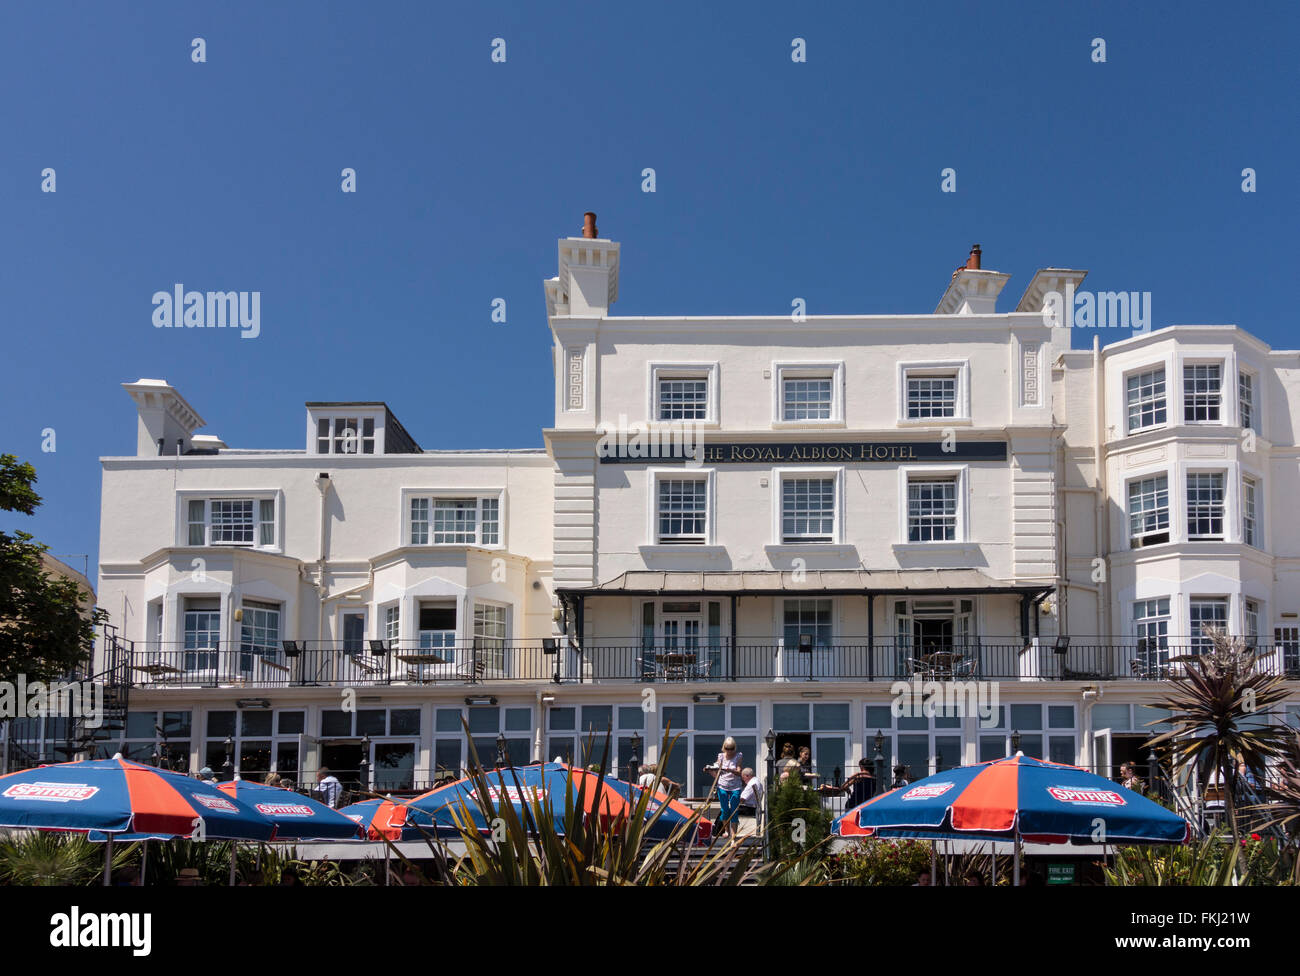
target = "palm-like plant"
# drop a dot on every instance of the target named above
(49, 858)
(526, 847)
(1212, 700)
(1282, 800)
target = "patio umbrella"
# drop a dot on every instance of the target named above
(296, 817)
(118, 799)
(520, 785)
(381, 818)
(1016, 799)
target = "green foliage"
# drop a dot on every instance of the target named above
(43, 632)
(1211, 701)
(800, 826)
(588, 850)
(886, 863)
(46, 858)
(1217, 861)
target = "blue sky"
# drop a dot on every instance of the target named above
(774, 180)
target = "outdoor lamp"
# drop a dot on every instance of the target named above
(550, 645)
(880, 741)
(1015, 742)
(1062, 644)
(635, 761)
(770, 739)
(805, 643)
(502, 749)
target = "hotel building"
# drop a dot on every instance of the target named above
(731, 524)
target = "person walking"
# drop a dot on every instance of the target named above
(727, 769)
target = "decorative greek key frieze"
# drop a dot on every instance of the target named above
(1031, 387)
(576, 382)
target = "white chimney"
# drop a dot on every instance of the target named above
(167, 422)
(587, 284)
(972, 291)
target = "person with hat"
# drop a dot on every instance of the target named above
(206, 775)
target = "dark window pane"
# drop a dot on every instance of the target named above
(254, 759)
(710, 718)
(139, 725)
(790, 718)
(176, 723)
(255, 723)
(518, 719)
(1026, 717)
(404, 721)
(291, 723)
(485, 718)
(596, 718)
(879, 718)
(675, 719)
(631, 717)
(562, 719)
(335, 723)
(561, 748)
(446, 756)
(437, 618)
(448, 720)
(831, 717)
(744, 716)
(372, 721)
(220, 724)
(1060, 716)
(286, 761)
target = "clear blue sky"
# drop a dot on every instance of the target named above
(775, 180)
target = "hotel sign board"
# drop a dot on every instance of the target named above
(850, 452)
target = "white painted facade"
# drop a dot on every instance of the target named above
(662, 581)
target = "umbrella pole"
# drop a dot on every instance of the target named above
(144, 863)
(108, 861)
(1015, 869)
(233, 848)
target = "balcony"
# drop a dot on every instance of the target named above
(235, 664)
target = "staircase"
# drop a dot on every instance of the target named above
(102, 742)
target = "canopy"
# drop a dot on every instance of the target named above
(1018, 798)
(296, 817)
(520, 785)
(380, 819)
(117, 796)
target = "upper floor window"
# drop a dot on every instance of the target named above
(929, 392)
(230, 522)
(807, 398)
(684, 392)
(345, 435)
(1249, 524)
(808, 508)
(1206, 613)
(931, 395)
(682, 514)
(809, 393)
(931, 509)
(1205, 505)
(1145, 399)
(1246, 401)
(1202, 392)
(455, 521)
(1148, 511)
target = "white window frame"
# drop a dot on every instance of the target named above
(960, 474)
(1254, 377)
(1225, 534)
(654, 477)
(1224, 373)
(779, 478)
(1128, 510)
(276, 497)
(684, 371)
(958, 368)
(1162, 367)
(795, 370)
(360, 414)
(1194, 638)
(1247, 478)
(389, 614)
(478, 495)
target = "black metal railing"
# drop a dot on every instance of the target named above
(374, 662)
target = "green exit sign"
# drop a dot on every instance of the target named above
(1060, 874)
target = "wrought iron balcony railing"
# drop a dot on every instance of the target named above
(373, 662)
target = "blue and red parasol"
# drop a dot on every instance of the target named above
(1016, 799)
(296, 817)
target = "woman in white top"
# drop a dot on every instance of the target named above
(727, 768)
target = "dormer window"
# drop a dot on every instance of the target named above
(345, 435)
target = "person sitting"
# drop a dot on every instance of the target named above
(860, 787)
(900, 777)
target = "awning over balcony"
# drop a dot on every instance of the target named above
(830, 582)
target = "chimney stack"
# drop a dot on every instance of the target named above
(973, 261)
(589, 225)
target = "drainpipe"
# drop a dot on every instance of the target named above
(1103, 515)
(1090, 698)
(323, 486)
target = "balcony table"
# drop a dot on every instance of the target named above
(422, 659)
(270, 663)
